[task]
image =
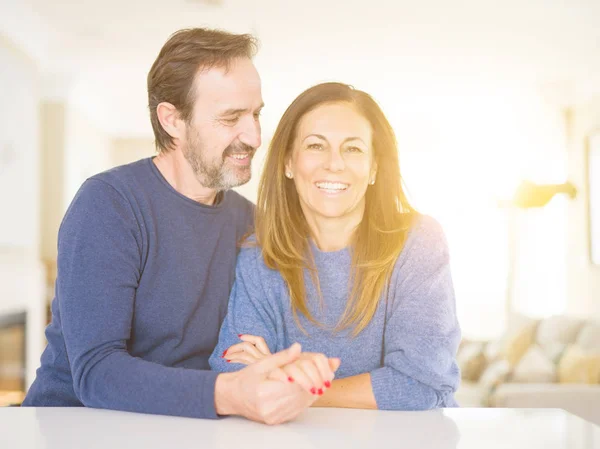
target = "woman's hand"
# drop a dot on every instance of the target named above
(313, 372)
(250, 350)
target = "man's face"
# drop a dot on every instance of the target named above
(224, 130)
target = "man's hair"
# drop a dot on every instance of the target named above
(186, 52)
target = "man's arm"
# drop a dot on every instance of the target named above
(99, 264)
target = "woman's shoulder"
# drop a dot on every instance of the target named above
(426, 241)
(249, 251)
(251, 257)
(252, 268)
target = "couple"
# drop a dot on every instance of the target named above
(148, 294)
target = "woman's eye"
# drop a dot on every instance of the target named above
(315, 146)
(354, 150)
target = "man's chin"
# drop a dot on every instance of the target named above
(238, 179)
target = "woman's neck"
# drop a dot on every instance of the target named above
(333, 234)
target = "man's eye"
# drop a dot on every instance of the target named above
(257, 115)
(230, 120)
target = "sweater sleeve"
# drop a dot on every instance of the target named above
(422, 334)
(249, 311)
(99, 266)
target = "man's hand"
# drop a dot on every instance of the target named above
(254, 393)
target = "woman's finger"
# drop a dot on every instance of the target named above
(244, 347)
(258, 342)
(298, 376)
(334, 363)
(322, 364)
(309, 367)
(241, 357)
(279, 375)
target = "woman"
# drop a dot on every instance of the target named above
(341, 263)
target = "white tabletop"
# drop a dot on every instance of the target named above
(70, 428)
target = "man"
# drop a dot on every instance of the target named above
(146, 254)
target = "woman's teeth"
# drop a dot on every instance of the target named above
(332, 186)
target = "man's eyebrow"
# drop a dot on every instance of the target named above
(234, 111)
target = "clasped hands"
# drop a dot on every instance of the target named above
(313, 372)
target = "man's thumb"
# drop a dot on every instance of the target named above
(279, 359)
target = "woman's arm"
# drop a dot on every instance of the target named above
(422, 334)
(249, 312)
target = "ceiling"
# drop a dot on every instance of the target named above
(98, 53)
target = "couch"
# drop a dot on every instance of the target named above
(549, 363)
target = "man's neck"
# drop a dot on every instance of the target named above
(178, 173)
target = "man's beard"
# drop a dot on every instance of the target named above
(217, 174)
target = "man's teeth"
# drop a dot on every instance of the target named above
(240, 156)
(331, 186)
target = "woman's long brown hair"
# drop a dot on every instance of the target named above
(283, 234)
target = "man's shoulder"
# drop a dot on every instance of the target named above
(123, 176)
(238, 201)
(107, 191)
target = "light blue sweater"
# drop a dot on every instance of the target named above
(409, 346)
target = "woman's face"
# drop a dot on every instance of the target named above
(332, 162)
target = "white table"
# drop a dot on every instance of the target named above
(71, 428)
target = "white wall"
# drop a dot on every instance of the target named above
(87, 151)
(583, 277)
(125, 151)
(19, 149)
(53, 117)
(21, 274)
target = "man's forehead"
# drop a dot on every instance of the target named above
(235, 88)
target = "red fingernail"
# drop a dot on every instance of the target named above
(327, 384)
(291, 379)
(320, 391)
(224, 352)
(240, 335)
(228, 361)
(313, 390)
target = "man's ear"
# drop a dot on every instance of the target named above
(169, 119)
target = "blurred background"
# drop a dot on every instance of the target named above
(496, 106)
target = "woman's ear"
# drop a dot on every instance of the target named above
(168, 116)
(288, 169)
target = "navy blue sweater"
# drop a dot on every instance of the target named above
(144, 275)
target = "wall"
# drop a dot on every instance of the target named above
(21, 274)
(19, 152)
(53, 118)
(125, 151)
(87, 151)
(583, 277)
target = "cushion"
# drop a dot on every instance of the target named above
(471, 360)
(534, 367)
(517, 324)
(579, 366)
(517, 344)
(589, 337)
(494, 374)
(558, 329)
